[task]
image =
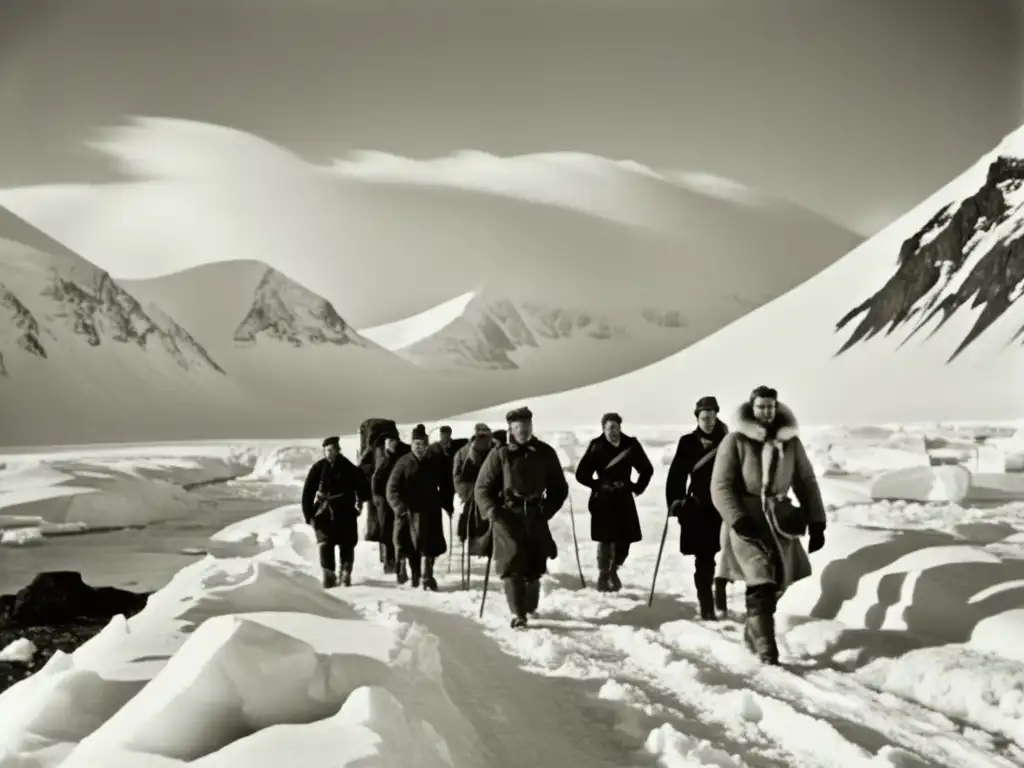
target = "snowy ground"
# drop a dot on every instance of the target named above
(903, 650)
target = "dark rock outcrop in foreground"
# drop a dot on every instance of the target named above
(58, 611)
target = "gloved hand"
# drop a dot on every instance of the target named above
(746, 529)
(320, 496)
(816, 539)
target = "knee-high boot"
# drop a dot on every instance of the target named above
(759, 631)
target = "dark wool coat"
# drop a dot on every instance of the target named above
(337, 522)
(414, 493)
(374, 517)
(700, 525)
(465, 471)
(740, 473)
(519, 489)
(613, 514)
(446, 456)
(379, 490)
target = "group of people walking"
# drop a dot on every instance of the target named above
(729, 491)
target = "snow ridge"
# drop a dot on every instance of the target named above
(286, 311)
(969, 254)
(52, 297)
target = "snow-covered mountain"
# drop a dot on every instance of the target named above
(277, 337)
(592, 230)
(501, 333)
(922, 322)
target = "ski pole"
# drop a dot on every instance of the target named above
(657, 562)
(487, 578)
(575, 543)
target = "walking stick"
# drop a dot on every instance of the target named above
(487, 579)
(575, 544)
(657, 563)
(463, 572)
(451, 541)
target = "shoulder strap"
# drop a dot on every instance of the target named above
(617, 458)
(704, 459)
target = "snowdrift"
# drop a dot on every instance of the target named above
(175, 684)
(950, 483)
(898, 318)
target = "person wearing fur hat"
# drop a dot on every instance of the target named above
(688, 495)
(331, 495)
(607, 470)
(757, 466)
(465, 470)
(521, 486)
(391, 450)
(415, 491)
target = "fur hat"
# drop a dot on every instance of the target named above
(333, 440)
(611, 417)
(419, 432)
(519, 414)
(706, 403)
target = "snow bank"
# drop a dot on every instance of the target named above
(229, 663)
(21, 651)
(285, 465)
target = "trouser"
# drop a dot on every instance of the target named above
(327, 560)
(711, 589)
(387, 552)
(522, 595)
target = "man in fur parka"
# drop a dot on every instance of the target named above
(607, 470)
(757, 466)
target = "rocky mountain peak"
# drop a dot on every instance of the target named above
(969, 254)
(286, 311)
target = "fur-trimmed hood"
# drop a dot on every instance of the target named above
(749, 427)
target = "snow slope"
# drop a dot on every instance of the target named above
(921, 322)
(321, 226)
(902, 650)
(409, 330)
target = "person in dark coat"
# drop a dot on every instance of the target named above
(688, 495)
(379, 520)
(520, 487)
(465, 470)
(414, 491)
(607, 470)
(331, 496)
(445, 450)
(500, 437)
(391, 450)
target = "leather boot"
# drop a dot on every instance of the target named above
(759, 637)
(414, 571)
(614, 585)
(722, 596)
(328, 579)
(605, 563)
(346, 574)
(705, 599)
(401, 574)
(429, 582)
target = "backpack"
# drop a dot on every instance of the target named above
(371, 430)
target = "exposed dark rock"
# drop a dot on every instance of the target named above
(60, 599)
(932, 260)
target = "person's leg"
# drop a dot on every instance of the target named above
(759, 632)
(703, 576)
(329, 578)
(605, 560)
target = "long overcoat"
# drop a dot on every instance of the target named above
(414, 491)
(607, 470)
(700, 525)
(336, 522)
(739, 483)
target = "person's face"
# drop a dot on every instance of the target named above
(419, 448)
(521, 431)
(390, 444)
(764, 409)
(445, 439)
(706, 420)
(612, 430)
(332, 453)
(483, 440)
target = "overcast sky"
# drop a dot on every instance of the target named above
(856, 108)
